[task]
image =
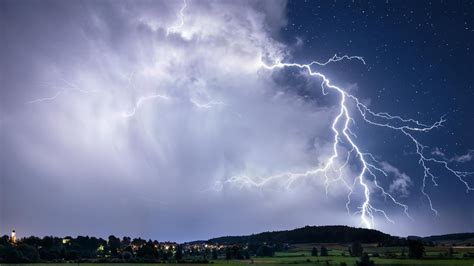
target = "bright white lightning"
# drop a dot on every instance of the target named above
(207, 105)
(344, 136)
(140, 101)
(180, 24)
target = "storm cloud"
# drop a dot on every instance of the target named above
(116, 118)
(114, 125)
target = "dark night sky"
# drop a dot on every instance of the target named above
(118, 119)
(419, 62)
(419, 55)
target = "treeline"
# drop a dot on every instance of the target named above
(457, 237)
(315, 234)
(86, 249)
(97, 250)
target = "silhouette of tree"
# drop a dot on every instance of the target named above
(365, 261)
(415, 249)
(314, 252)
(148, 251)
(127, 255)
(450, 252)
(179, 254)
(30, 253)
(324, 251)
(228, 253)
(265, 251)
(114, 245)
(126, 241)
(247, 255)
(214, 254)
(356, 249)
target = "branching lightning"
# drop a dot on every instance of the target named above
(366, 178)
(345, 149)
(207, 105)
(180, 23)
(68, 87)
(140, 101)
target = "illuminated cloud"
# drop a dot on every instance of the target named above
(401, 183)
(151, 119)
(131, 113)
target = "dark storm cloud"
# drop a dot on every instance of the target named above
(109, 125)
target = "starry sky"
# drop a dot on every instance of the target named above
(418, 57)
(149, 118)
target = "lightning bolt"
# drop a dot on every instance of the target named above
(69, 87)
(207, 105)
(180, 23)
(140, 101)
(366, 178)
(45, 98)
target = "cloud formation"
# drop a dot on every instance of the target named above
(112, 116)
(463, 158)
(118, 117)
(401, 182)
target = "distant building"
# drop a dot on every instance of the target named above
(13, 237)
(67, 240)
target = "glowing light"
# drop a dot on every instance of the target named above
(343, 136)
(13, 237)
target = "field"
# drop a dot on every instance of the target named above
(301, 255)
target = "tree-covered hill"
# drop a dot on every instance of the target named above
(312, 234)
(455, 237)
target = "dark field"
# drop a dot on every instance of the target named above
(301, 255)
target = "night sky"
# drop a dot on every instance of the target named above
(131, 118)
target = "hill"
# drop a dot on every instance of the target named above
(466, 239)
(459, 236)
(312, 234)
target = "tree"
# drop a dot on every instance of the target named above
(228, 253)
(205, 253)
(114, 245)
(314, 252)
(365, 261)
(214, 254)
(28, 253)
(324, 251)
(127, 255)
(265, 251)
(4, 240)
(237, 252)
(138, 242)
(247, 255)
(148, 251)
(12, 255)
(179, 254)
(126, 241)
(450, 252)
(356, 249)
(415, 249)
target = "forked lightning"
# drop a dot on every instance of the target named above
(370, 169)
